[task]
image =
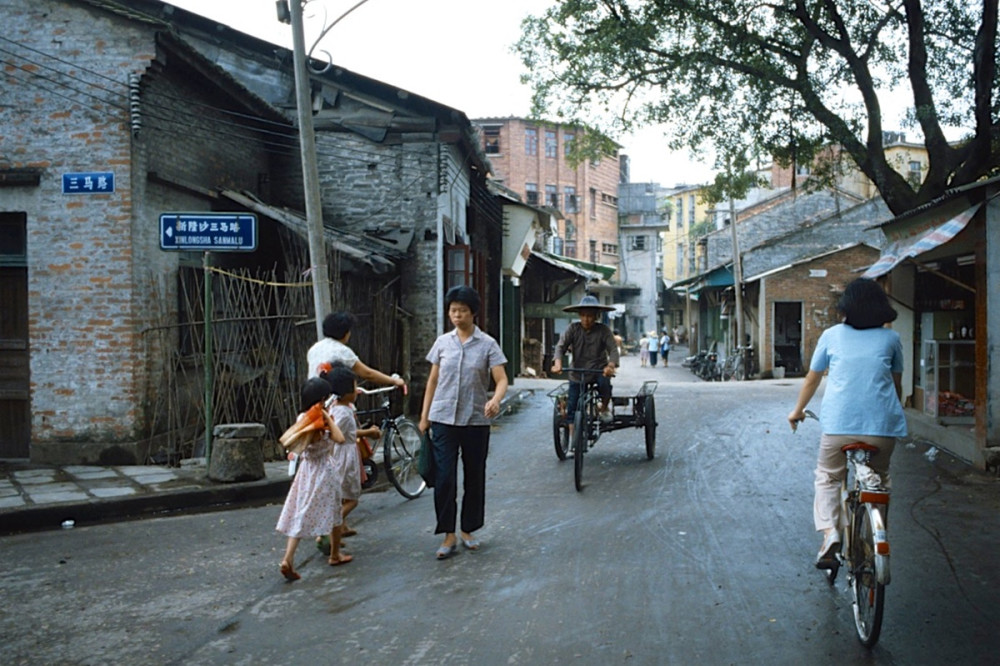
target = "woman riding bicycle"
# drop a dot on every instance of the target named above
(593, 347)
(861, 402)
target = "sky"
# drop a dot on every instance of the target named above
(456, 52)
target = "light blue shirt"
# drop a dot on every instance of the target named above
(860, 396)
(463, 377)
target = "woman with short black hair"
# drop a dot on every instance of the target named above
(458, 411)
(861, 403)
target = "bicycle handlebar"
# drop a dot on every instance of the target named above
(383, 389)
(809, 414)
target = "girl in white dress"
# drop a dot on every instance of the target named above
(312, 507)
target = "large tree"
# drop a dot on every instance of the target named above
(788, 76)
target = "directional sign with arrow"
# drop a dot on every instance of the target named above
(214, 232)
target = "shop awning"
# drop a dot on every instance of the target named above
(920, 243)
(567, 266)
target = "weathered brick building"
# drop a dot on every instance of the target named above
(89, 89)
(530, 158)
(100, 333)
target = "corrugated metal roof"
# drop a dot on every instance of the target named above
(351, 245)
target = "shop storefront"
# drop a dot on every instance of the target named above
(940, 269)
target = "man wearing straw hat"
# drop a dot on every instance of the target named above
(593, 346)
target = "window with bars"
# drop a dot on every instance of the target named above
(568, 138)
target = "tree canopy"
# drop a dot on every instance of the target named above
(789, 77)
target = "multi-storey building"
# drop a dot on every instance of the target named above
(643, 220)
(836, 168)
(686, 209)
(530, 157)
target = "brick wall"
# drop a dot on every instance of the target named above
(80, 247)
(96, 273)
(818, 294)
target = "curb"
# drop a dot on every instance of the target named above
(48, 517)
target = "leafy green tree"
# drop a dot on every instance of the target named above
(792, 77)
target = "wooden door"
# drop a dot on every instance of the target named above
(15, 397)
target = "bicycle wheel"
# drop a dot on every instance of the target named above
(729, 368)
(560, 433)
(400, 448)
(740, 369)
(580, 426)
(869, 594)
(649, 411)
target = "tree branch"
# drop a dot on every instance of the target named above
(984, 72)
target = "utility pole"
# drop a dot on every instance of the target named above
(310, 171)
(737, 264)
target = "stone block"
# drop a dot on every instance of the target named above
(238, 430)
(237, 458)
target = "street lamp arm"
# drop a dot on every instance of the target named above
(323, 33)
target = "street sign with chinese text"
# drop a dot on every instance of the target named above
(88, 183)
(215, 232)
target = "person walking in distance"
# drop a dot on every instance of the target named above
(665, 347)
(457, 411)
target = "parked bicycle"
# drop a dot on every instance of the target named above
(864, 548)
(400, 444)
(740, 364)
(708, 367)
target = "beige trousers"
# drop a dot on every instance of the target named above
(831, 466)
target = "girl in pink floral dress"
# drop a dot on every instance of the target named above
(313, 505)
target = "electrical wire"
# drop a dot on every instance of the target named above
(282, 146)
(276, 147)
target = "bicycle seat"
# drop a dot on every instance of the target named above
(858, 446)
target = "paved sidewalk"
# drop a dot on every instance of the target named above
(40, 497)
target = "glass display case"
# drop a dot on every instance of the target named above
(948, 378)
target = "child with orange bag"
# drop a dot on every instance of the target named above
(313, 505)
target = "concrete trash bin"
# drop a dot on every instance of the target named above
(237, 452)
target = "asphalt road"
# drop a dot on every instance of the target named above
(702, 555)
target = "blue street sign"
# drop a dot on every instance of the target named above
(215, 232)
(88, 183)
